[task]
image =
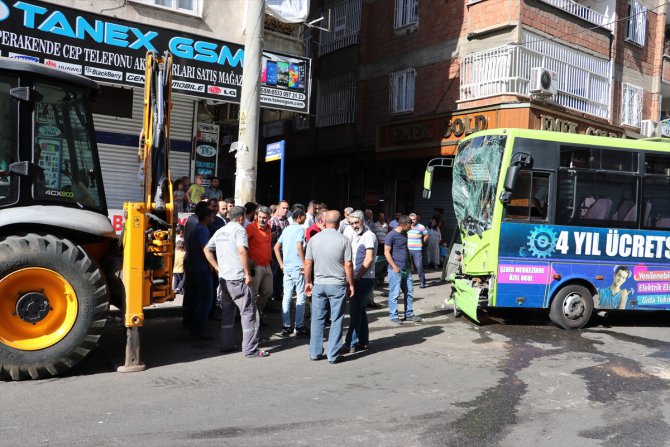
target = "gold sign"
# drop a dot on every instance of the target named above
(554, 124)
(465, 126)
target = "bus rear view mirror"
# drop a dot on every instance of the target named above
(428, 182)
(519, 160)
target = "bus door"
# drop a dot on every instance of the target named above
(524, 268)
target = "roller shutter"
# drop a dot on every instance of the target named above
(440, 198)
(118, 140)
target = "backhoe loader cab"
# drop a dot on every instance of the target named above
(55, 236)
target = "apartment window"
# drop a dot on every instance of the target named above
(402, 91)
(191, 7)
(336, 101)
(346, 26)
(631, 104)
(406, 13)
(637, 22)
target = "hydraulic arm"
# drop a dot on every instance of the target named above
(148, 237)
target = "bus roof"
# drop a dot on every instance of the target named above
(575, 138)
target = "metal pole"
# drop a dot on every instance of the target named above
(281, 173)
(247, 153)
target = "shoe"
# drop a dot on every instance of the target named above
(285, 332)
(422, 286)
(301, 330)
(338, 359)
(345, 350)
(374, 306)
(257, 355)
(414, 319)
(396, 321)
(318, 357)
(229, 350)
(360, 347)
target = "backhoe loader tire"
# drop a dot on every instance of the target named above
(53, 306)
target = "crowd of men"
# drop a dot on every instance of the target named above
(238, 258)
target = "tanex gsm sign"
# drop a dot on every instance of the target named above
(114, 50)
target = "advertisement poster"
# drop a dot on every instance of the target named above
(206, 151)
(284, 82)
(630, 269)
(113, 50)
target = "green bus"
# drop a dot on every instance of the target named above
(564, 222)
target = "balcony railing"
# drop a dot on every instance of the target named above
(336, 101)
(583, 12)
(346, 27)
(583, 81)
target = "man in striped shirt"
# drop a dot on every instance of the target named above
(416, 237)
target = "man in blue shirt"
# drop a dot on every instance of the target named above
(198, 290)
(290, 254)
(400, 276)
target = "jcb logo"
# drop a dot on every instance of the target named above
(57, 193)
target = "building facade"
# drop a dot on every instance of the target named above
(399, 82)
(107, 40)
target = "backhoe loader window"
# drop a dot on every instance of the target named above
(7, 142)
(63, 148)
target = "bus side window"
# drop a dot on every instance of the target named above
(530, 197)
(601, 198)
(657, 200)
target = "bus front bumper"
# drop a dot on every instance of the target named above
(466, 297)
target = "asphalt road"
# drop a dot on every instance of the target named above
(506, 382)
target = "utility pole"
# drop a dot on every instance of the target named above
(247, 144)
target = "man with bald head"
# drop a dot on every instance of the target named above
(329, 257)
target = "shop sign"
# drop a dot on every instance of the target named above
(113, 50)
(431, 132)
(206, 151)
(555, 124)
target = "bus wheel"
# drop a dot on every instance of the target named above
(572, 307)
(53, 306)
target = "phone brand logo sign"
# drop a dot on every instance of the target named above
(205, 150)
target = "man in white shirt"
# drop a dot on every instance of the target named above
(227, 253)
(364, 250)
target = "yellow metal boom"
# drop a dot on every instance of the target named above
(148, 237)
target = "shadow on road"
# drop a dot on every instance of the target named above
(399, 340)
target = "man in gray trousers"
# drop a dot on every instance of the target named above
(329, 257)
(231, 246)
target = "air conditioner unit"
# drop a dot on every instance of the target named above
(648, 128)
(543, 82)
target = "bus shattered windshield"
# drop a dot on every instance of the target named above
(476, 171)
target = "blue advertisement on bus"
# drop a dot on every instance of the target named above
(630, 269)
